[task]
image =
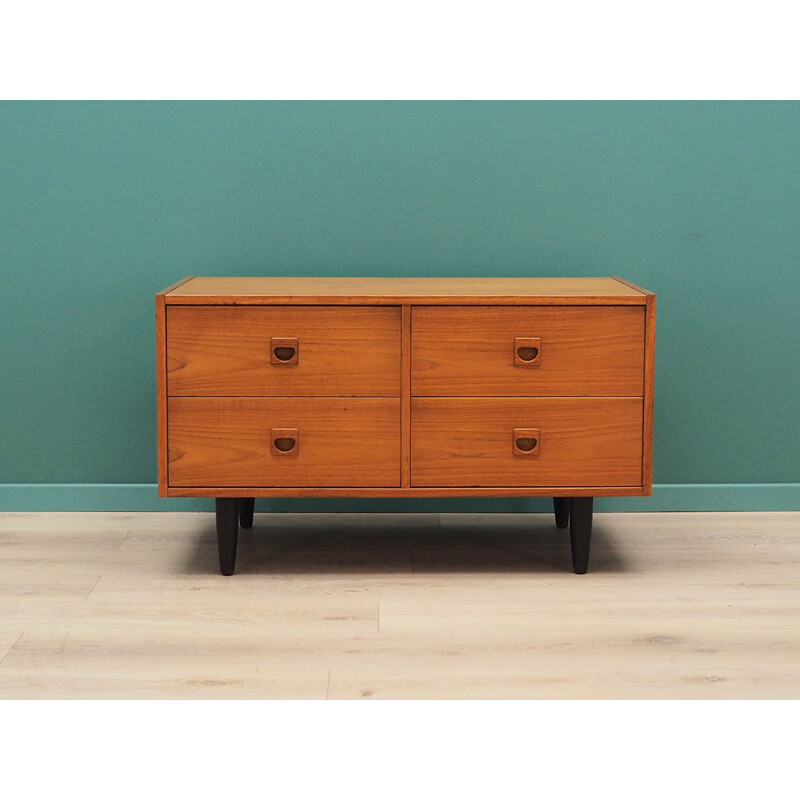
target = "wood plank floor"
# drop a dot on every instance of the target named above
(345, 606)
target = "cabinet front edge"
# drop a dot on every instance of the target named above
(417, 492)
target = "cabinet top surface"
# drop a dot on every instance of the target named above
(394, 291)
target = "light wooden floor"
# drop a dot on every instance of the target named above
(399, 606)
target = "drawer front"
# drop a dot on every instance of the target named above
(527, 351)
(283, 351)
(292, 442)
(559, 442)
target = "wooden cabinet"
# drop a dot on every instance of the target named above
(400, 387)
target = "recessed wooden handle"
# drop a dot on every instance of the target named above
(528, 351)
(526, 441)
(285, 441)
(285, 350)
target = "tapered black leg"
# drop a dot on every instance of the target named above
(561, 505)
(580, 532)
(246, 506)
(227, 533)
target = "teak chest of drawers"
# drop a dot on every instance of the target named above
(405, 387)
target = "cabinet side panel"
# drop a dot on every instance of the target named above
(161, 393)
(649, 394)
(405, 400)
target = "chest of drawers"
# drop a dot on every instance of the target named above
(405, 387)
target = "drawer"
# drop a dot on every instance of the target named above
(560, 442)
(232, 441)
(527, 351)
(283, 351)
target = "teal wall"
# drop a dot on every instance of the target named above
(103, 204)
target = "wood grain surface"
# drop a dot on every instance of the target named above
(649, 384)
(227, 441)
(227, 351)
(446, 338)
(161, 394)
(399, 291)
(468, 441)
(161, 383)
(469, 351)
(405, 399)
(413, 491)
(649, 394)
(399, 606)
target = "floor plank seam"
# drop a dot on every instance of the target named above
(124, 539)
(328, 687)
(11, 648)
(93, 587)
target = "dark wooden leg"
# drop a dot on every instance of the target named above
(246, 506)
(580, 532)
(227, 532)
(561, 505)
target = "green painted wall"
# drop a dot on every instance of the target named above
(103, 204)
